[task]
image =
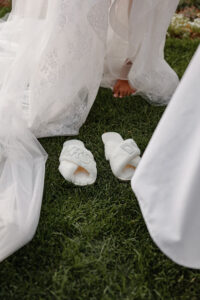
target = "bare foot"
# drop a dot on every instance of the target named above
(122, 89)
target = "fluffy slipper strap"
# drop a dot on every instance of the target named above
(73, 156)
(124, 155)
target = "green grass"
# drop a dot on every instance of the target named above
(184, 3)
(92, 242)
(3, 11)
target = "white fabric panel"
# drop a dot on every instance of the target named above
(167, 180)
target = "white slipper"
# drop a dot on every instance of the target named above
(77, 164)
(124, 156)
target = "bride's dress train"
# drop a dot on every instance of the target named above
(167, 180)
(52, 58)
(48, 84)
(67, 46)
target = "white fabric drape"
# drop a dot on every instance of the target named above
(22, 159)
(56, 42)
(57, 50)
(137, 32)
(51, 65)
(42, 49)
(167, 180)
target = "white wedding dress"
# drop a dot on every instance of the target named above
(167, 181)
(54, 55)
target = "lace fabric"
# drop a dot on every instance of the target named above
(70, 37)
(80, 45)
(44, 84)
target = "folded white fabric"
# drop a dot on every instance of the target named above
(124, 155)
(77, 164)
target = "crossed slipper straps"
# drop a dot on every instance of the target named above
(77, 164)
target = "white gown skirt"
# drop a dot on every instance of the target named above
(52, 56)
(167, 182)
(52, 63)
(137, 32)
(59, 52)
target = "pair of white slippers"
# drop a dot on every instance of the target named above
(77, 164)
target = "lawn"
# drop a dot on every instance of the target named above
(92, 242)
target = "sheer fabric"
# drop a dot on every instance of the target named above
(66, 43)
(22, 159)
(39, 47)
(167, 180)
(52, 56)
(56, 42)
